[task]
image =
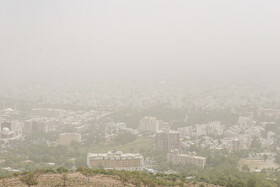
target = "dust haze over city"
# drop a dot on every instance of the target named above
(140, 93)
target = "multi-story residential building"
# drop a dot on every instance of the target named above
(215, 128)
(167, 140)
(164, 125)
(116, 160)
(245, 141)
(212, 128)
(38, 125)
(236, 145)
(68, 138)
(27, 126)
(178, 158)
(185, 131)
(201, 129)
(270, 137)
(245, 122)
(150, 124)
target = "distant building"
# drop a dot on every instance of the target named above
(152, 124)
(164, 126)
(68, 138)
(27, 127)
(116, 160)
(45, 112)
(215, 128)
(10, 111)
(201, 129)
(185, 131)
(236, 145)
(178, 158)
(38, 125)
(274, 114)
(245, 142)
(212, 128)
(115, 128)
(245, 122)
(270, 137)
(167, 140)
(10, 130)
(149, 124)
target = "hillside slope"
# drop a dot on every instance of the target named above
(78, 180)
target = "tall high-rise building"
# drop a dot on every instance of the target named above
(167, 140)
(38, 125)
(236, 145)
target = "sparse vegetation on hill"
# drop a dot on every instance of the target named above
(89, 177)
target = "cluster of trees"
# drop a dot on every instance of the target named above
(40, 154)
(30, 178)
(125, 138)
(35, 148)
(221, 169)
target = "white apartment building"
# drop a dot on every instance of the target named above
(116, 160)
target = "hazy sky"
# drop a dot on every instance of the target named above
(144, 38)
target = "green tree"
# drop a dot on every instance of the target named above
(87, 172)
(251, 182)
(125, 138)
(62, 170)
(30, 179)
(245, 168)
(265, 157)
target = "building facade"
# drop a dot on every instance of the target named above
(10, 130)
(117, 160)
(149, 124)
(38, 125)
(167, 140)
(178, 158)
(68, 138)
